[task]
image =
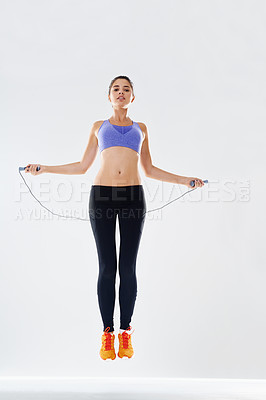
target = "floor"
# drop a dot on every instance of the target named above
(131, 389)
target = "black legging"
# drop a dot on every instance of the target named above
(105, 203)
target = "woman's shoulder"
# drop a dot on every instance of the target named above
(96, 126)
(98, 123)
(143, 128)
(142, 125)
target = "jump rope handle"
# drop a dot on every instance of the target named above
(192, 183)
(22, 168)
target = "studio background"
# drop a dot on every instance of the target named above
(198, 69)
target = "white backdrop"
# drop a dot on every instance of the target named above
(198, 69)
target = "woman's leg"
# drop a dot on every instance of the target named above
(131, 221)
(103, 223)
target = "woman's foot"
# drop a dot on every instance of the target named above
(125, 346)
(107, 350)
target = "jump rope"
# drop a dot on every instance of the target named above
(192, 184)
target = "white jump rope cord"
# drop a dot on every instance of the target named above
(86, 219)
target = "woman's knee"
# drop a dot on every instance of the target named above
(107, 270)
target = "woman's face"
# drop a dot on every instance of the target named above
(121, 94)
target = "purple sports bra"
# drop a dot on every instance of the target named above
(115, 135)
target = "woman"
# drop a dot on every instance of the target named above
(117, 192)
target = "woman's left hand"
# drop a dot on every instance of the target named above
(198, 182)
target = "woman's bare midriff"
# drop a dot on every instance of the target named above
(119, 167)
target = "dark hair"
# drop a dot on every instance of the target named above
(121, 77)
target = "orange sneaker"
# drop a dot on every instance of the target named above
(107, 349)
(125, 346)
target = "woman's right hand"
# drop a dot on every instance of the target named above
(32, 169)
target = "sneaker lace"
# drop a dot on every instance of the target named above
(125, 337)
(107, 339)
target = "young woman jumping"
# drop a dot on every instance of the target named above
(117, 192)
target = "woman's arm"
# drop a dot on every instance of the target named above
(162, 175)
(66, 169)
(77, 168)
(156, 173)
